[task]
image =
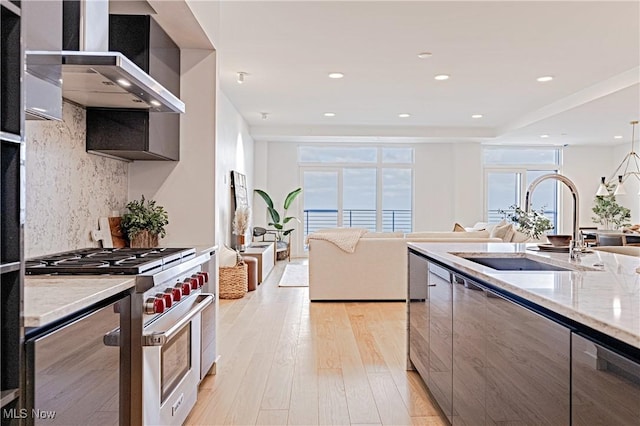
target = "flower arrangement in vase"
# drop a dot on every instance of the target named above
(240, 225)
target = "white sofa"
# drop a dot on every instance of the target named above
(376, 270)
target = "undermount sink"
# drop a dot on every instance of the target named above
(518, 263)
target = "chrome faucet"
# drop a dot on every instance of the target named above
(576, 242)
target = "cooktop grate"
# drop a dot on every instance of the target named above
(126, 261)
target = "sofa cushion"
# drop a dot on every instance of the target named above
(503, 231)
(472, 234)
(478, 226)
(383, 235)
(458, 228)
(520, 237)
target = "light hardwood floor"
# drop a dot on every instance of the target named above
(285, 360)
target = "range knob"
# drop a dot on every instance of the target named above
(185, 287)
(205, 276)
(192, 283)
(175, 293)
(168, 299)
(154, 305)
(198, 278)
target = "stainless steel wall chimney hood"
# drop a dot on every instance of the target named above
(95, 77)
(110, 80)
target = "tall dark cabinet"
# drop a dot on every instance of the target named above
(11, 208)
(139, 134)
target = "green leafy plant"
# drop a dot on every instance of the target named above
(144, 215)
(609, 213)
(533, 223)
(278, 221)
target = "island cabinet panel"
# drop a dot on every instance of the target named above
(440, 378)
(528, 366)
(605, 386)
(419, 314)
(469, 353)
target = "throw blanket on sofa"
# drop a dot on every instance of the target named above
(345, 238)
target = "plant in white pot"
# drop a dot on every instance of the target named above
(279, 221)
(240, 225)
(144, 223)
(609, 213)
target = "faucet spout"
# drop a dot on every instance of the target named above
(577, 238)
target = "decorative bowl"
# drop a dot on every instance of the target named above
(559, 240)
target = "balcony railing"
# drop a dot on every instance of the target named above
(392, 220)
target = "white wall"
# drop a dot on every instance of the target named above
(447, 186)
(583, 165)
(234, 151)
(187, 188)
(276, 171)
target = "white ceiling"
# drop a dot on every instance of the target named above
(494, 51)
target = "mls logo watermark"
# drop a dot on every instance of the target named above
(23, 413)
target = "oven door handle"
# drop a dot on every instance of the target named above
(160, 338)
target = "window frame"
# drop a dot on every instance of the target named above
(523, 168)
(379, 165)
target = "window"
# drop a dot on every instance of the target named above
(360, 187)
(508, 173)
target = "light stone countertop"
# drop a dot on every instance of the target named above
(48, 298)
(606, 299)
(206, 248)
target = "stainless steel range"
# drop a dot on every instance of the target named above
(169, 340)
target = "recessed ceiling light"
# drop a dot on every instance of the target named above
(441, 77)
(423, 55)
(329, 114)
(544, 136)
(617, 137)
(154, 102)
(336, 75)
(476, 116)
(123, 82)
(404, 115)
(545, 78)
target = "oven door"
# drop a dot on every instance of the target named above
(171, 362)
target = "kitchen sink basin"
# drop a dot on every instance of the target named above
(515, 264)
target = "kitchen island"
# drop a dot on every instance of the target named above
(555, 343)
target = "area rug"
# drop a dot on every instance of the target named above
(295, 275)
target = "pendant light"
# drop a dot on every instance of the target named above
(628, 167)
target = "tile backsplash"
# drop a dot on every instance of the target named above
(67, 189)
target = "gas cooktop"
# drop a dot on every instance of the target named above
(97, 261)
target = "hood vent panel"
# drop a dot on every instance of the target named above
(111, 80)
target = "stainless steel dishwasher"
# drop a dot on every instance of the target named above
(73, 378)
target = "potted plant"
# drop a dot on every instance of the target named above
(144, 223)
(240, 225)
(609, 213)
(533, 223)
(278, 221)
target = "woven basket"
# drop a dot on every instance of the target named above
(233, 281)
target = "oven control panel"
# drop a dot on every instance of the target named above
(162, 297)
